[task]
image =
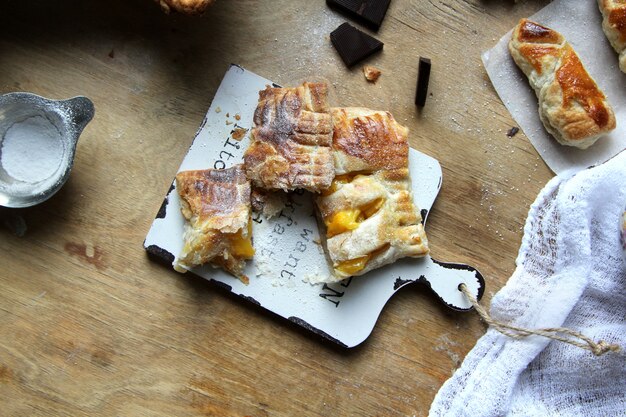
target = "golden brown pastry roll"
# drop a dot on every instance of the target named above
(185, 6)
(218, 230)
(368, 211)
(291, 139)
(571, 106)
(614, 26)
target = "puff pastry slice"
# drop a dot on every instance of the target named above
(571, 106)
(216, 205)
(291, 141)
(368, 211)
(614, 26)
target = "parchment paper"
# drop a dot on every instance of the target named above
(580, 21)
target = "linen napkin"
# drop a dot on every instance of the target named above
(570, 273)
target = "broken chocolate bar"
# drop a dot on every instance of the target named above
(352, 44)
(368, 12)
(423, 77)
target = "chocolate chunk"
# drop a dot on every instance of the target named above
(352, 44)
(423, 77)
(368, 12)
(512, 131)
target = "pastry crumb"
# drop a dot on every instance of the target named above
(218, 110)
(239, 133)
(371, 73)
(317, 278)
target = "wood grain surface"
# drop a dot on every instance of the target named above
(90, 326)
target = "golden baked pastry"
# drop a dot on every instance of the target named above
(185, 6)
(571, 106)
(368, 210)
(614, 26)
(216, 205)
(291, 139)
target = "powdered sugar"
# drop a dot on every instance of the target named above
(32, 150)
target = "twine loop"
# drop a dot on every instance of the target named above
(562, 334)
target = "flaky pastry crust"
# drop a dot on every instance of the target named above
(614, 26)
(185, 6)
(571, 105)
(291, 139)
(216, 205)
(373, 190)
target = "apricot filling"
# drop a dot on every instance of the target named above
(242, 245)
(350, 219)
(343, 221)
(353, 266)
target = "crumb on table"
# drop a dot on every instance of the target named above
(371, 73)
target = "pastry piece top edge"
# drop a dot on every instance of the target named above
(368, 140)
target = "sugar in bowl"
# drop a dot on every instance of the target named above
(38, 139)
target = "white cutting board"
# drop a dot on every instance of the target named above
(288, 260)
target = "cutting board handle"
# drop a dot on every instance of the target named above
(444, 279)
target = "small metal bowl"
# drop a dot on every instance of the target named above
(29, 173)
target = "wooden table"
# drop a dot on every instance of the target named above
(90, 326)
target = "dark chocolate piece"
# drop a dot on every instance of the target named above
(352, 44)
(368, 12)
(423, 77)
(512, 131)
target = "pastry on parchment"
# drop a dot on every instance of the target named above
(291, 139)
(368, 210)
(218, 228)
(614, 26)
(571, 105)
(185, 6)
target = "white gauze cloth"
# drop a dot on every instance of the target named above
(571, 273)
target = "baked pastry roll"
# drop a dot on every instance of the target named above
(614, 26)
(571, 106)
(368, 210)
(291, 139)
(185, 6)
(216, 205)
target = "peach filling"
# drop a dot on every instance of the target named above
(350, 219)
(242, 245)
